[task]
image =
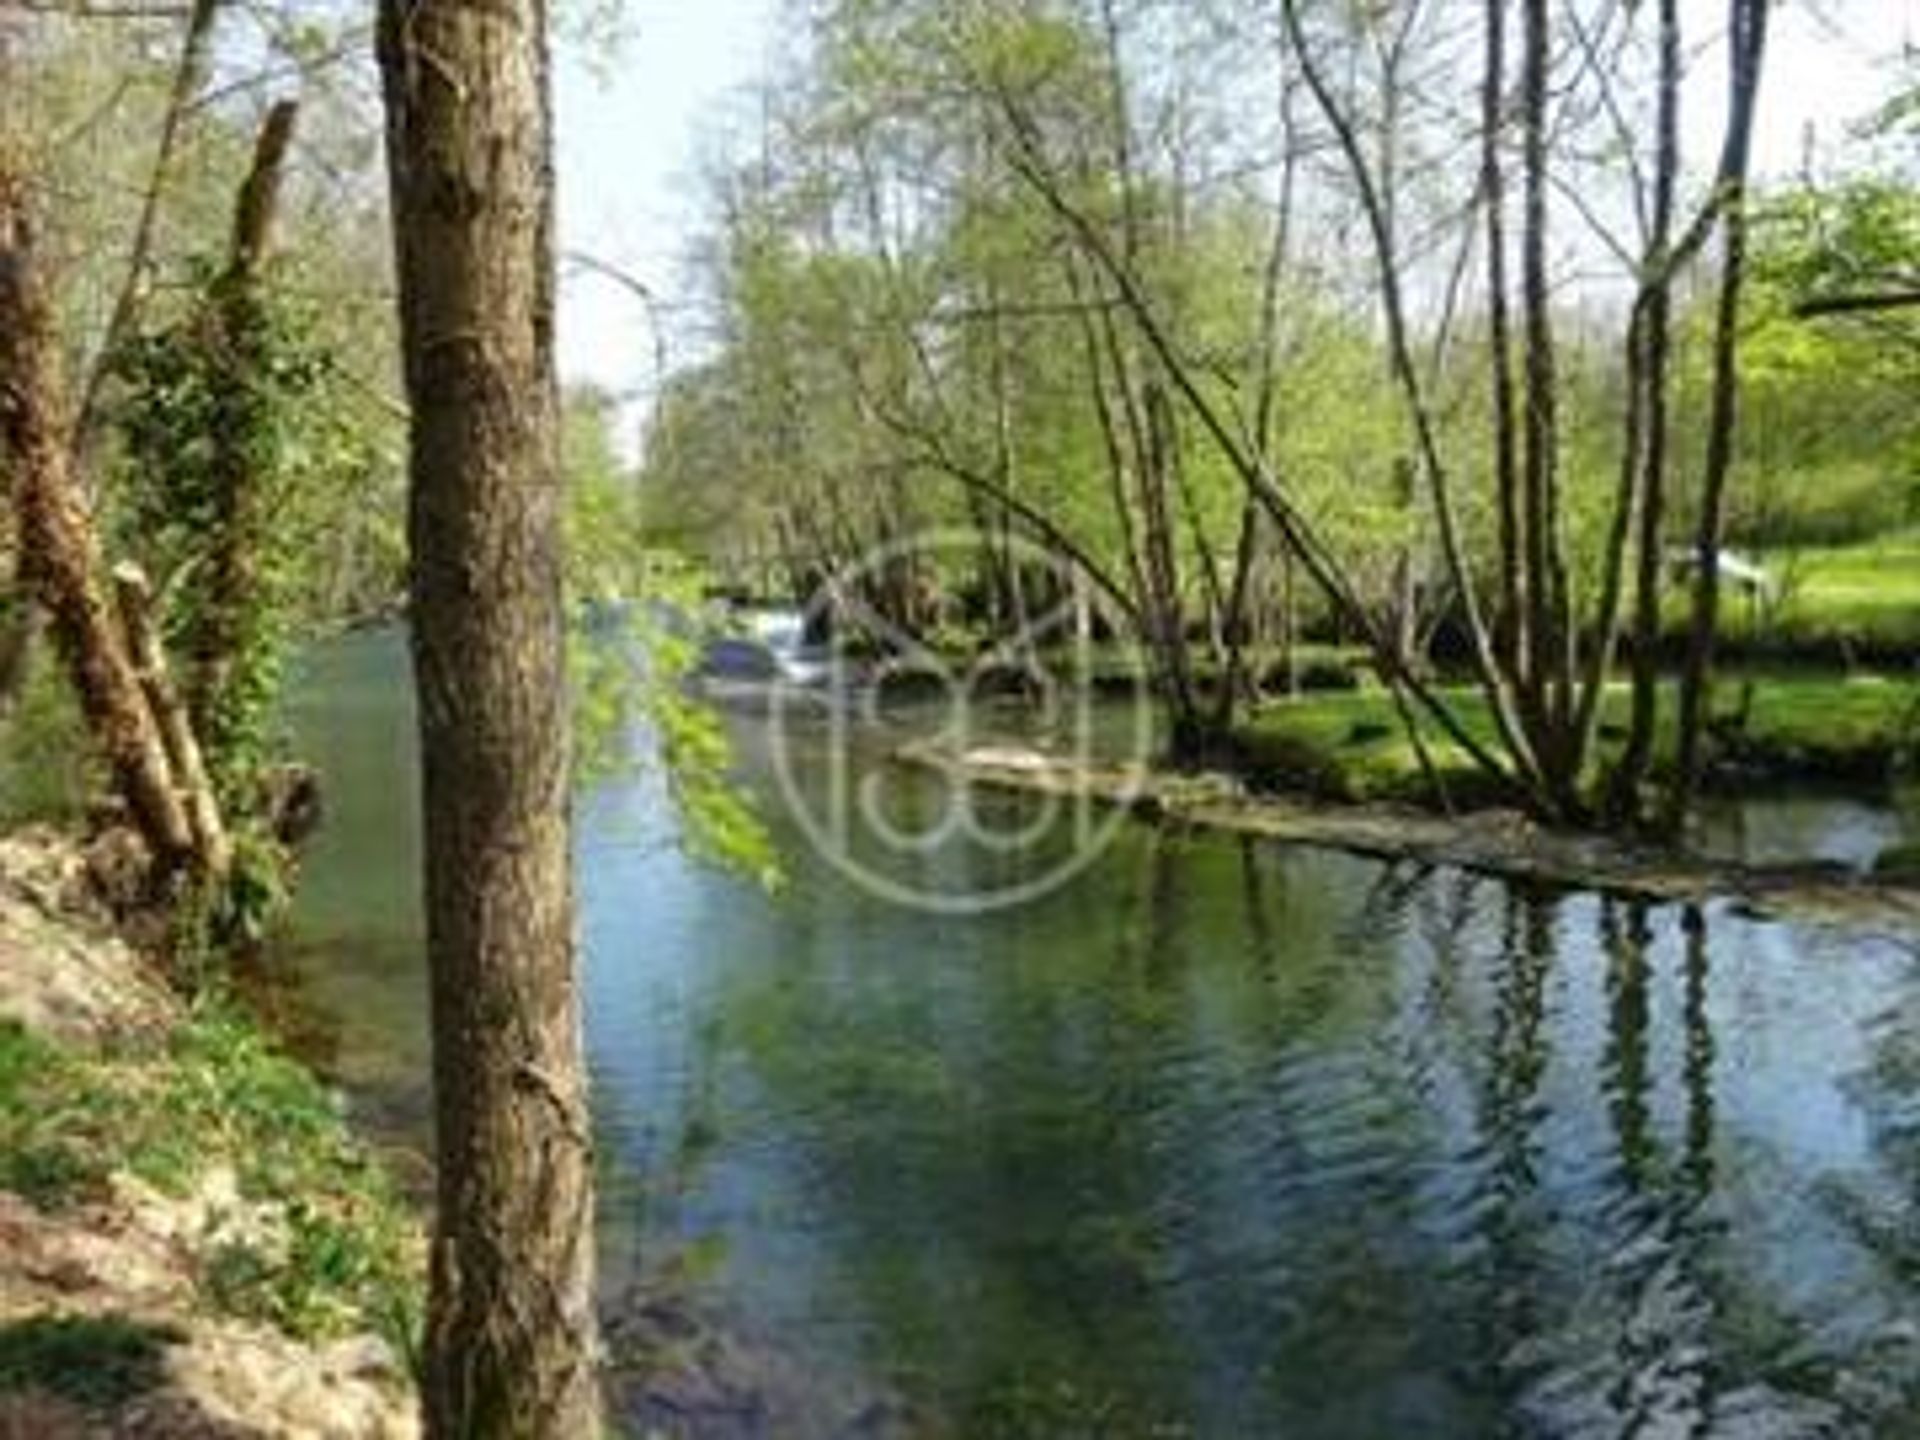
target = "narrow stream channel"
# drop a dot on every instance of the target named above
(1218, 1139)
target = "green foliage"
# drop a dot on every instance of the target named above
(47, 769)
(629, 668)
(85, 106)
(215, 1092)
(628, 659)
(1823, 239)
(36, 1160)
(1828, 448)
(206, 427)
(258, 889)
(1836, 603)
(718, 820)
(228, 438)
(232, 459)
(93, 1360)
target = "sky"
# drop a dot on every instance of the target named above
(635, 119)
(632, 124)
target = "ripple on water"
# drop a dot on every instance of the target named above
(1247, 1141)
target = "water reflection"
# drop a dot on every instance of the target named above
(1231, 1140)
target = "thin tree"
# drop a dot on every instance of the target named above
(19, 624)
(62, 566)
(1746, 46)
(510, 1343)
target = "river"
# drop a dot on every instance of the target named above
(1213, 1139)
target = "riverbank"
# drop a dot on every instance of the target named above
(1498, 842)
(192, 1245)
(1353, 747)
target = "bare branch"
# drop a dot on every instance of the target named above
(189, 74)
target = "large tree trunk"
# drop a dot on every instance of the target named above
(59, 553)
(510, 1345)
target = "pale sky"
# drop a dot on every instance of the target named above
(631, 138)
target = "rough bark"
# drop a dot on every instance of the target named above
(510, 1346)
(54, 530)
(20, 628)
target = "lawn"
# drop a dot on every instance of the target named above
(1837, 598)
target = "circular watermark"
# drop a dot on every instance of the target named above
(958, 776)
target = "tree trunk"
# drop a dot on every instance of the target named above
(1653, 373)
(1512, 628)
(1747, 40)
(60, 555)
(133, 599)
(233, 583)
(510, 1346)
(1494, 681)
(1549, 624)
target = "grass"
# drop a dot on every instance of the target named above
(1839, 602)
(1867, 589)
(214, 1091)
(1352, 746)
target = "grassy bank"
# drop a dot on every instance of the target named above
(1839, 604)
(190, 1237)
(1352, 746)
(328, 1250)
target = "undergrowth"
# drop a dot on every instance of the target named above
(214, 1091)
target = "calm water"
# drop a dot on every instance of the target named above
(1218, 1140)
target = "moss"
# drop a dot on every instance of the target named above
(215, 1092)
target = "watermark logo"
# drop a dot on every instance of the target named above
(955, 775)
